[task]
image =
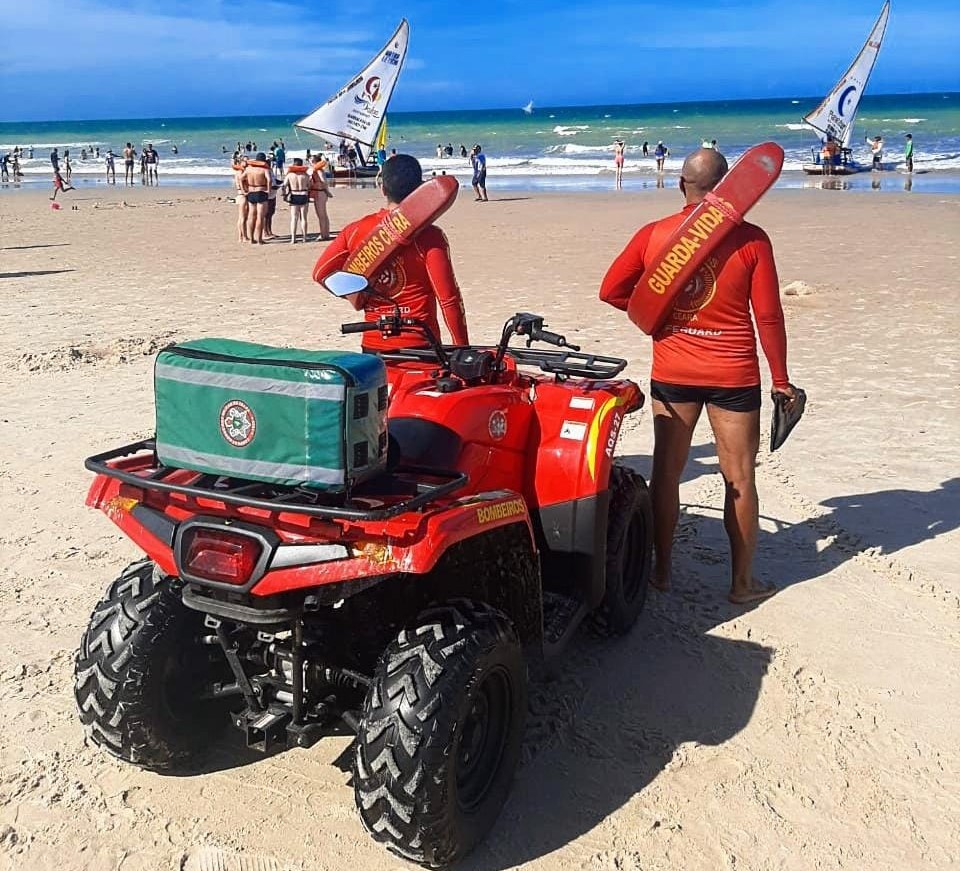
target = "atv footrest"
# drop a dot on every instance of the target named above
(561, 617)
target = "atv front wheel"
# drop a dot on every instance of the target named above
(441, 732)
(629, 553)
(141, 673)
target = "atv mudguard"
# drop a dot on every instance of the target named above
(410, 543)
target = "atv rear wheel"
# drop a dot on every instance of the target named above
(441, 732)
(629, 553)
(141, 672)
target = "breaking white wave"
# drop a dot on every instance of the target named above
(793, 127)
(572, 130)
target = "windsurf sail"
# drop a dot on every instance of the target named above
(528, 108)
(834, 116)
(356, 112)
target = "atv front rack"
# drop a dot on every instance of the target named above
(274, 497)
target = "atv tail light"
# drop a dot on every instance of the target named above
(220, 556)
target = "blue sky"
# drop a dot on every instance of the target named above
(92, 59)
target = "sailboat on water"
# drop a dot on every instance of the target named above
(357, 114)
(835, 115)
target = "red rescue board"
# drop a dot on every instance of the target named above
(676, 263)
(398, 227)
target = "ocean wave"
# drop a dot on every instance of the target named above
(571, 130)
(794, 127)
(37, 146)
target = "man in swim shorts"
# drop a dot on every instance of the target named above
(151, 159)
(706, 355)
(479, 162)
(129, 156)
(255, 181)
(296, 191)
(417, 277)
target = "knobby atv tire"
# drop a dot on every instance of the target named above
(140, 672)
(453, 686)
(629, 553)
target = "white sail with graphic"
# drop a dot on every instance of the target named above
(356, 112)
(834, 116)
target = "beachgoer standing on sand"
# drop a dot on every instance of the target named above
(152, 159)
(478, 161)
(661, 152)
(111, 170)
(908, 153)
(4, 167)
(272, 195)
(319, 194)
(55, 160)
(618, 155)
(129, 156)
(67, 168)
(417, 277)
(59, 184)
(243, 209)
(712, 363)
(296, 191)
(255, 184)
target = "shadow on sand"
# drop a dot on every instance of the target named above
(34, 272)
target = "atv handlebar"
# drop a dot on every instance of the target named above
(361, 327)
(551, 339)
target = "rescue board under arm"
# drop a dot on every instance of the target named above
(677, 261)
(399, 226)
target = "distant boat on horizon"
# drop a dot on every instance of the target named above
(529, 108)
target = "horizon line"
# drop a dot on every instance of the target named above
(539, 109)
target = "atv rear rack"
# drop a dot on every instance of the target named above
(275, 497)
(563, 363)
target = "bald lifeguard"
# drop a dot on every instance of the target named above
(701, 173)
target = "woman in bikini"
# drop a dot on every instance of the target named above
(320, 192)
(243, 210)
(618, 152)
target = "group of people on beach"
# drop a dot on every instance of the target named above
(712, 365)
(259, 182)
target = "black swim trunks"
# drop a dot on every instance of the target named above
(729, 398)
(256, 197)
(299, 199)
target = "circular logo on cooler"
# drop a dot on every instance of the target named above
(497, 425)
(238, 425)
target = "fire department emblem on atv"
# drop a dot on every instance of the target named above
(497, 425)
(238, 425)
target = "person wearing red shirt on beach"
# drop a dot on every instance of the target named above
(418, 277)
(706, 355)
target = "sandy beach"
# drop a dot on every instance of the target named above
(816, 731)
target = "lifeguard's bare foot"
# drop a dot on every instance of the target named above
(751, 593)
(660, 580)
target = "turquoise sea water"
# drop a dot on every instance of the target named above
(551, 148)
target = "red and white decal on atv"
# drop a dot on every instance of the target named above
(573, 430)
(593, 441)
(497, 425)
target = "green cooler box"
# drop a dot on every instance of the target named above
(280, 415)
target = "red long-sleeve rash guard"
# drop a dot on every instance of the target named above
(418, 276)
(708, 339)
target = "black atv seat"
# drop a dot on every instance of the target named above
(422, 443)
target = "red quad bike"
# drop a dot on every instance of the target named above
(406, 608)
